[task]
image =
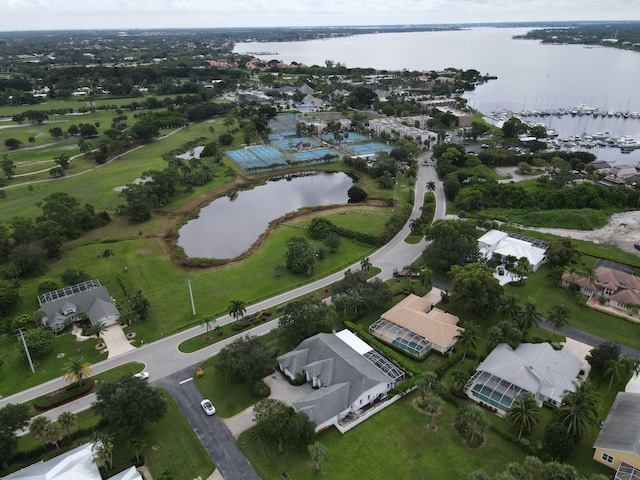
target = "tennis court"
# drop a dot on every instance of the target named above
(284, 125)
(256, 157)
(352, 137)
(369, 148)
(312, 155)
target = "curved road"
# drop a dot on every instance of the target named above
(173, 369)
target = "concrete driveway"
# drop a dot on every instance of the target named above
(281, 389)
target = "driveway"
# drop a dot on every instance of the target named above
(281, 389)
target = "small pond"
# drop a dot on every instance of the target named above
(229, 225)
(193, 153)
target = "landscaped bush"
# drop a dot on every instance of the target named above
(64, 395)
(259, 389)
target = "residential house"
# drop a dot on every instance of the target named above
(306, 89)
(534, 369)
(90, 298)
(620, 289)
(76, 464)
(621, 172)
(416, 326)
(504, 244)
(346, 373)
(618, 443)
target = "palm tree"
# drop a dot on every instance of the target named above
(590, 273)
(428, 382)
(528, 316)
(458, 380)
(433, 406)
(207, 321)
(426, 275)
(53, 433)
(431, 186)
(236, 309)
(416, 225)
(67, 421)
(411, 269)
(365, 264)
(558, 316)
(76, 370)
(510, 306)
(38, 426)
(619, 368)
(467, 338)
(523, 414)
(317, 451)
(137, 446)
(106, 254)
(329, 313)
(97, 329)
(230, 173)
(578, 410)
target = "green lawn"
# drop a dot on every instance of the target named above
(16, 374)
(584, 318)
(170, 444)
(394, 443)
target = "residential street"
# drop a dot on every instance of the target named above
(169, 368)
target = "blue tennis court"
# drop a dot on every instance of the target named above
(346, 138)
(264, 152)
(312, 155)
(241, 155)
(369, 148)
(256, 157)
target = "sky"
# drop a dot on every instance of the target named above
(16, 15)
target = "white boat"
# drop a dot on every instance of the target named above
(600, 135)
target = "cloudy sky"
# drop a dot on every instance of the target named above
(126, 14)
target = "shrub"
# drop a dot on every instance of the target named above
(64, 395)
(259, 389)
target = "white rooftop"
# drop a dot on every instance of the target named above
(353, 341)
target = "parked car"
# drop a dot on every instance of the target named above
(500, 271)
(142, 375)
(208, 407)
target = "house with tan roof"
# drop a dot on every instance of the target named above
(416, 326)
(620, 289)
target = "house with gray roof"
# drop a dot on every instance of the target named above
(534, 369)
(346, 373)
(76, 464)
(66, 304)
(618, 443)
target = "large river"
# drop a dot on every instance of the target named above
(530, 75)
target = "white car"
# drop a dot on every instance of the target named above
(142, 375)
(208, 407)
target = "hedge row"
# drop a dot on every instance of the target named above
(64, 395)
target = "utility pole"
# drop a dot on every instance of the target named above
(193, 306)
(26, 349)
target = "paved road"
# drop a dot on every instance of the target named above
(167, 365)
(212, 432)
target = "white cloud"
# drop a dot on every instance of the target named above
(78, 14)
